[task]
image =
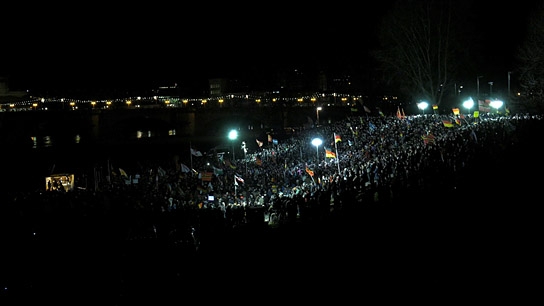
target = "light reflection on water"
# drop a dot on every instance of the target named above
(48, 141)
(29, 164)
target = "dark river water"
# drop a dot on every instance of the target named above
(25, 168)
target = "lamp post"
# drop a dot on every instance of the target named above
(317, 142)
(508, 100)
(317, 113)
(233, 134)
(478, 87)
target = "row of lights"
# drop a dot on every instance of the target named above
(73, 103)
(468, 104)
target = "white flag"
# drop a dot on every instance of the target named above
(184, 168)
(195, 152)
(238, 179)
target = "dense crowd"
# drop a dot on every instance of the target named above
(376, 161)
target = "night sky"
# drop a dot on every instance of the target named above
(108, 47)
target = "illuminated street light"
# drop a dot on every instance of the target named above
(317, 142)
(233, 135)
(496, 104)
(468, 104)
(422, 106)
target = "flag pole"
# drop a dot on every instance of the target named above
(337, 156)
(235, 185)
(191, 154)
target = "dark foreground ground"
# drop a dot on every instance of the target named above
(471, 243)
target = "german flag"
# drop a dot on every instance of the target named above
(447, 123)
(310, 172)
(206, 176)
(330, 154)
(429, 138)
(337, 138)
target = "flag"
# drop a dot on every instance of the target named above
(330, 154)
(195, 152)
(206, 176)
(238, 179)
(310, 172)
(259, 143)
(269, 138)
(429, 138)
(161, 171)
(337, 138)
(455, 111)
(184, 168)
(399, 114)
(229, 163)
(123, 173)
(217, 171)
(447, 123)
(366, 109)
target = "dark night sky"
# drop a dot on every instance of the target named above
(106, 47)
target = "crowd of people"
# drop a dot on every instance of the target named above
(365, 164)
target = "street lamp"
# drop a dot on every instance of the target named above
(508, 100)
(422, 106)
(468, 104)
(317, 113)
(317, 142)
(478, 87)
(496, 104)
(233, 134)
